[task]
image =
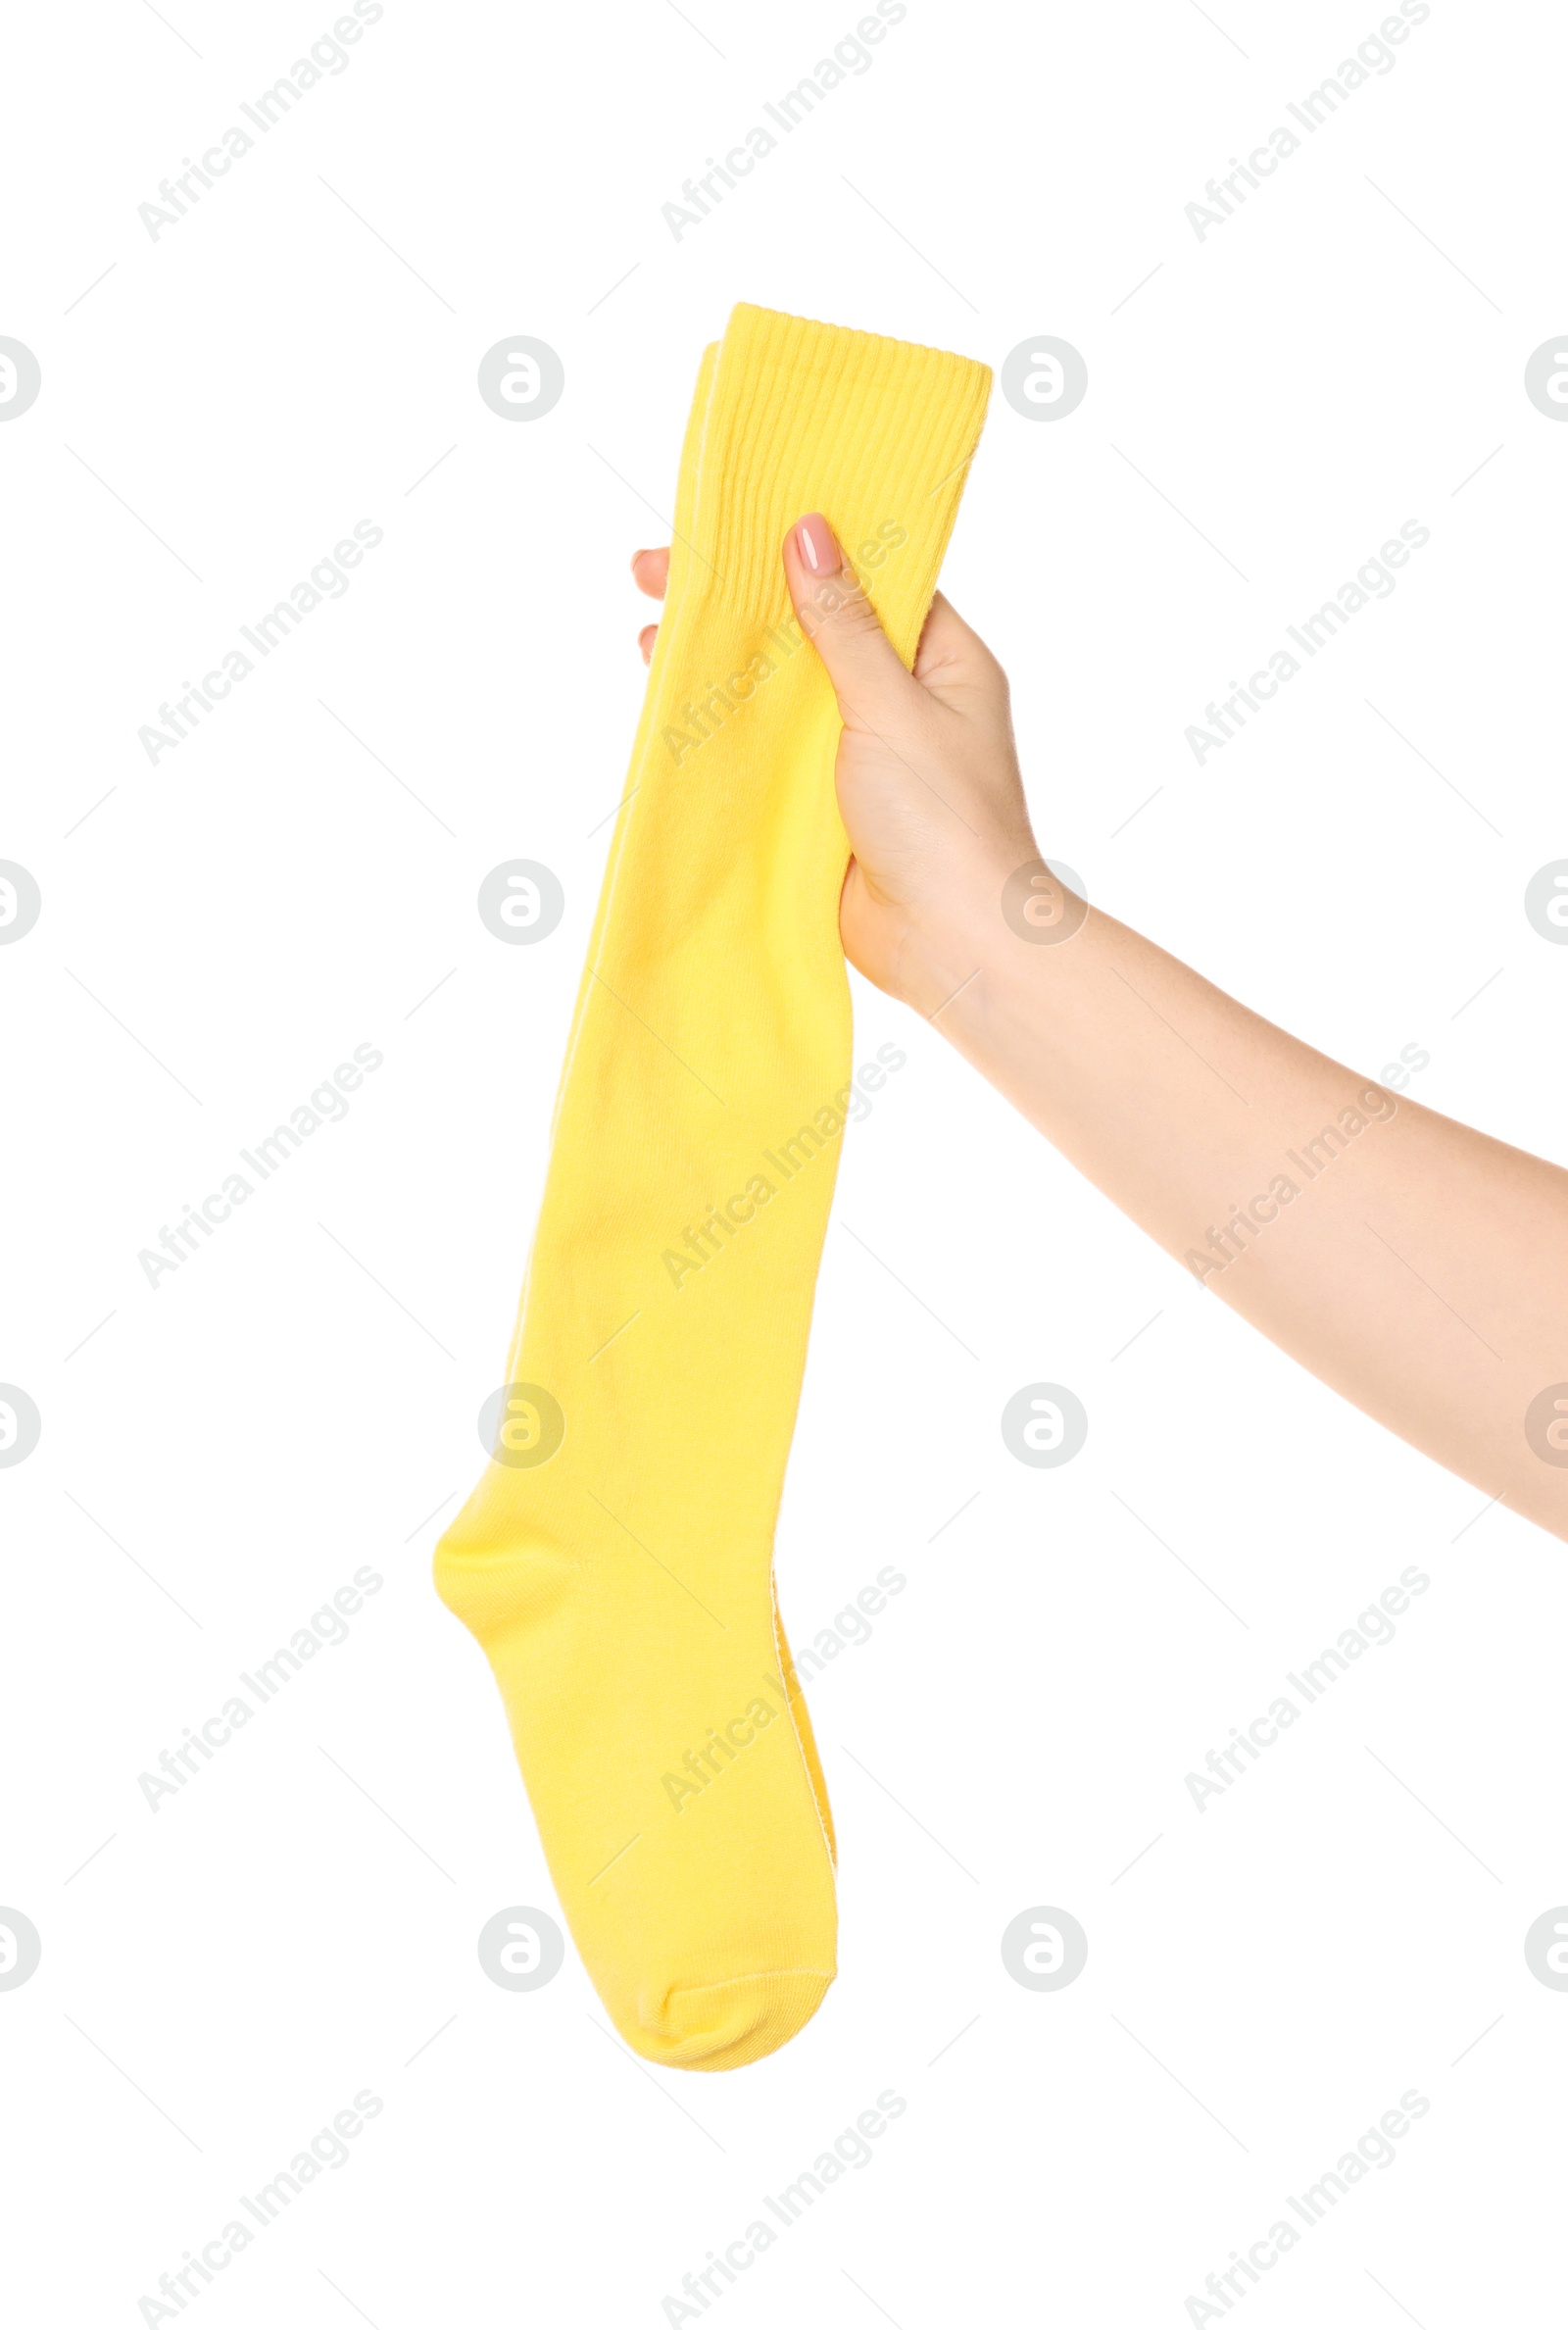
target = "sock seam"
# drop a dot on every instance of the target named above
(718, 919)
(788, 1666)
(689, 1990)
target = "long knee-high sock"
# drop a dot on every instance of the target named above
(616, 1560)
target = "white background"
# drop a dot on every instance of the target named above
(299, 1399)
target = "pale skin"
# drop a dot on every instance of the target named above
(1421, 1270)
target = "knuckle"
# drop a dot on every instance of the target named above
(854, 615)
(991, 677)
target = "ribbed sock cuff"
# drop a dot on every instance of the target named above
(875, 433)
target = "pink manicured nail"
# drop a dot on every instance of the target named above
(817, 547)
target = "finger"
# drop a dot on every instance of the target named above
(869, 679)
(951, 655)
(650, 571)
(644, 640)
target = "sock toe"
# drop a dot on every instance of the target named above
(716, 2026)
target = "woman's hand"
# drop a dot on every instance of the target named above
(927, 772)
(1417, 1266)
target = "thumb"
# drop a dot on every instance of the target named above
(872, 687)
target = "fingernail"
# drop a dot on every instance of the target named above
(817, 547)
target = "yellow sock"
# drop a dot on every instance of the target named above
(615, 1560)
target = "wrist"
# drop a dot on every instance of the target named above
(997, 914)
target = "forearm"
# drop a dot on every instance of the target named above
(1418, 1267)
